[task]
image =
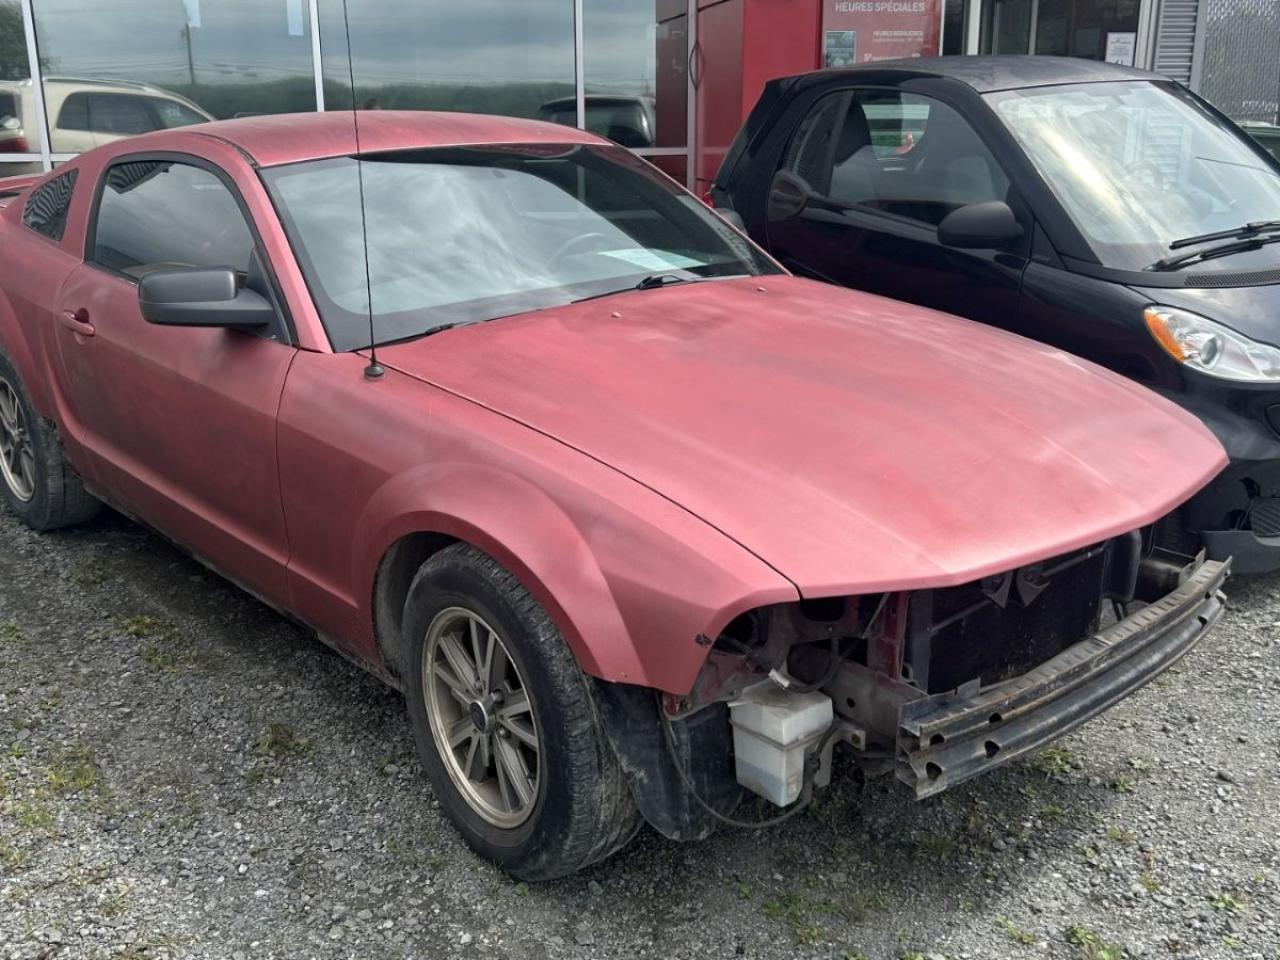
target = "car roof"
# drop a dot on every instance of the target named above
(990, 74)
(279, 139)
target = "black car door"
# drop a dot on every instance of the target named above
(861, 187)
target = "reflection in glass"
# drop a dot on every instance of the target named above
(115, 68)
(481, 56)
(459, 235)
(1139, 165)
(636, 67)
(19, 131)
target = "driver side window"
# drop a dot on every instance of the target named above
(897, 153)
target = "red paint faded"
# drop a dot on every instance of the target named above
(648, 476)
(853, 443)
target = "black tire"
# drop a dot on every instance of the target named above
(57, 497)
(583, 810)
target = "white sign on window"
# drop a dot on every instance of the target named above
(1121, 48)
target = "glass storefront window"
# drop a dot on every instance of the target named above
(1064, 28)
(114, 68)
(636, 72)
(481, 56)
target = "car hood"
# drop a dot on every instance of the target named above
(851, 442)
(1251, 310)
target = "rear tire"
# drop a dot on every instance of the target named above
(38, 484)
(531, 715)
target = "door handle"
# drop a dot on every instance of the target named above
(77, 321)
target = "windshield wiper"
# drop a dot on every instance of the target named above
(1248, 230)
(1226, 249)
(651, 282)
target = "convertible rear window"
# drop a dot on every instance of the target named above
(463, 235)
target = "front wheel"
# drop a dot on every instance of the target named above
(505, 723)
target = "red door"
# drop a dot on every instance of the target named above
(180, 422)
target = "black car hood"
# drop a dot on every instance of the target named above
(1251, 310)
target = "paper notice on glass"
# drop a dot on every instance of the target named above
(1121, 47)
(193, 12)
(294, 8)
(653, 259)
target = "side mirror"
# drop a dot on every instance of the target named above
(199, 297)
(980, 226)
(788, 195)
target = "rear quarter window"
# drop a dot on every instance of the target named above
(46, 208)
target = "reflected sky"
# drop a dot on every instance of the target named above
(236, 41)
(394, 40)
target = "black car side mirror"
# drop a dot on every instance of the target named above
(788, 195)
(980, 226)
(199, 297)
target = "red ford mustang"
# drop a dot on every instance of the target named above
(637, 521)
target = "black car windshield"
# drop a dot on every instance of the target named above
(1140, 164)
(461, 235)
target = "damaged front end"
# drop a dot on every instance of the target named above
(933, 685)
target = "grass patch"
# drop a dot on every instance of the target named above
(1056, 760)
(73, 772)
(278, 740)
(1122, 836)
(1014, 932)
(1227, 901)
(1090, 946)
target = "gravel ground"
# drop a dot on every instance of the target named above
(185, 774)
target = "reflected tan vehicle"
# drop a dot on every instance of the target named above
(84, 114)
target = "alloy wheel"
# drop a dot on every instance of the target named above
(481, 717)
(17, 458)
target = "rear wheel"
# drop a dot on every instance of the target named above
(36, 481)
(505, 723)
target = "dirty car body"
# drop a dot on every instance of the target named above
(619, 493)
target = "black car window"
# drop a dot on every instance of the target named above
(911, 156)
(120, 114)
(810, 152)
(46, 208)
(899, 153)
(157, 213)
(74, 114)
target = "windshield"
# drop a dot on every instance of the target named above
(1139, 165)
(463, 235)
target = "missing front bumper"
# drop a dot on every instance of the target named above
(950, 737)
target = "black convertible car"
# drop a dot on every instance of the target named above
(1101, 209)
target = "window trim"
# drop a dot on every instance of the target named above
(287, 328)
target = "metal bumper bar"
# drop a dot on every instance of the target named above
(950, 737)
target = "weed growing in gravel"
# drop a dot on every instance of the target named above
(1015, 933)
(1052, 813)
(1091, 946)
(143, 627)
(10, 632)
(278, 740)
(1122, 836)
(1057, 760)
(1149, 882)
(1225, 900)
(801, 914)
(11, 859)
(276, 743)
(32, 816)
(154, 656)
(73, 772)
(1121, 785)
